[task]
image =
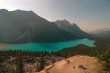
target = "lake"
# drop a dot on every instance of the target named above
(48, 47)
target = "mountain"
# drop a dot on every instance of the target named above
(102, 34)
(102, 38)
(21, 26)
(71, 27)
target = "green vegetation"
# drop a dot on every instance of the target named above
(7, 65)
(3, 58)
(104, 55)
(19, 65)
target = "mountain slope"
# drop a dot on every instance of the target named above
(25, 26)
(102, 34)
(69, 27)
(102, 38)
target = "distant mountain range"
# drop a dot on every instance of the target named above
(105, 34)
(102, 38)
(25, 26)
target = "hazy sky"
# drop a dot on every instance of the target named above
(89, 14)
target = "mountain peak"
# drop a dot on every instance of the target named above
(64, 22)
(18, 10)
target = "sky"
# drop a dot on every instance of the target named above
(90, 15)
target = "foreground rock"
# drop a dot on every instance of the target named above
(76, 64)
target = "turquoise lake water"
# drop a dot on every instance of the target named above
(48, 47)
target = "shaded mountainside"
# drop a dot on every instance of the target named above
(71, 27)
(102, 38)
(25, 26)
(103, 34)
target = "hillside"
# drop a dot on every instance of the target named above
(25, 26)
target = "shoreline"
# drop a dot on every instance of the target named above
(18, 53)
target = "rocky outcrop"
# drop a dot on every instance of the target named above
(76, 64)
